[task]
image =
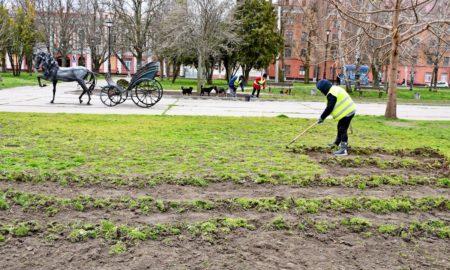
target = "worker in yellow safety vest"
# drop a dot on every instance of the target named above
(341, 106)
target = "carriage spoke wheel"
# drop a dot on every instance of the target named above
(147, 93)
(111, 96)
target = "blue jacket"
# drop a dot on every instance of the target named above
(233, 79)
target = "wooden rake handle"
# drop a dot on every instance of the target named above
(304, 131)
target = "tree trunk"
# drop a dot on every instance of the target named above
(375, 75)
(357, 74)
(29, 61)
(176, 70)
(161, 68)
(308, 57)
(246, 73)
(307, 71)
(3, 60)
(138, 60)
(391, 107)
(63, 60)
(209, 71)
(435, 75)
(282, 76)
(226, 63)
(200, 71)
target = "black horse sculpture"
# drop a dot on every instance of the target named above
(54, 73)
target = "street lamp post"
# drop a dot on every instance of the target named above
(109, 24)
(326, 56)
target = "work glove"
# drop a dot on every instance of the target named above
(320, 120)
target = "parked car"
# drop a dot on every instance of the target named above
(439, 84)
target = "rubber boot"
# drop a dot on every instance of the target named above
(342, 150)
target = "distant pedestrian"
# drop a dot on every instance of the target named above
(234, 83)
(258, 83)
(338, 80)
(341, 106)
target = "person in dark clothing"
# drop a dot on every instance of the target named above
(341, 106)
(338, 80)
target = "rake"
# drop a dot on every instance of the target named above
(303, 132)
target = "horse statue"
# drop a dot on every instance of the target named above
(54, 73)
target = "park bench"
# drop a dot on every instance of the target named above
(283, 87)
(368, 88)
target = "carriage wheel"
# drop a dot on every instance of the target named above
(123, 97)
(147, 93)
(111, 96)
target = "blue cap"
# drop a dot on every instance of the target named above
(324, 86)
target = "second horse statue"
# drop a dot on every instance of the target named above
(54, 73)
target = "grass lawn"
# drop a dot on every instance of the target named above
(24, 79)
(192, 149)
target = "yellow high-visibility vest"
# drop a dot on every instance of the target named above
(344, 104)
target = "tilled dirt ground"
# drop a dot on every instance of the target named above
(262, 248)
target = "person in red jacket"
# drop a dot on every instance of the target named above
(258, 83)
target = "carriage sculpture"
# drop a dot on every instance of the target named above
(143, 89)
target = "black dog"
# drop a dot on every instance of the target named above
(207, 90)
(221, 91)
(187, 90)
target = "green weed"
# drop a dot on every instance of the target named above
(357, 224)
(388, 229)
(118, 248)
(21, 230)
(280, 223)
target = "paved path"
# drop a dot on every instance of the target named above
(36, 99)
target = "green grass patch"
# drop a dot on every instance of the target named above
(149, 150)
(52, 205)
(25, 79)
(120, 236)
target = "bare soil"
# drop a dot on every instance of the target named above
(263, 248)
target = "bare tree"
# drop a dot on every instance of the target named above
(137, 18)
(199, 25)
(437, 47)
(93, 31)
(407, 19)
(66, 21)
(46, 22)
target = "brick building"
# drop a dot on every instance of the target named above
(296, 28)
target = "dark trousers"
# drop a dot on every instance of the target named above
(257, 94)
(342, 128)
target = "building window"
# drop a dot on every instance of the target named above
(446, 61)
(128, 64)
(444, 77)
(428, 77)
(287, 52)
(303, 52)
(302, 71)
(287, 70)
(289, 36)
(429, 60)
(304, 36)
(290, 20)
